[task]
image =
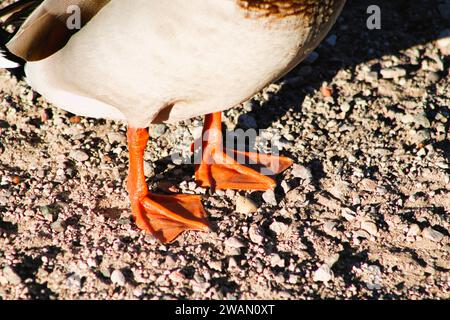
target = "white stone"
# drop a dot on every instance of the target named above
(329, 227)
(413, 231)
(215, 265)
(79, 155)
(118, 278)
(245, 205)
(279, 227)
(277, 261)
(433, 235)
(302, 172)
(370, 227)
(323, 274)
(269, 197)
(11, 276)
(392, 73)
(234, 243)
(255, 235)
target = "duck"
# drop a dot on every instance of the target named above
(149, 61)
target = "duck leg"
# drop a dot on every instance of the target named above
(163, 216)
(220, 170)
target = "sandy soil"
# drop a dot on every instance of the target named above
(363, 214)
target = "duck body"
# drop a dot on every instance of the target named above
(150, 61)
(168, 61)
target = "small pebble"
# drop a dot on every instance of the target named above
(148, 169)
(11, 276)
(331, 260)
(215, 265)
(361, 234)
(74, 282)
(245, 205)
(57, 226)
(286, 187)
(75, 119)
(293, 279)
(371, 77)
(413, 231)
(329, 227)
(176, 276)
(422, 120)
(326, 92)
(277, 261)
(368, 185)
(323, 274)
(256, 234)
(348, 214)
(91, 262)
(370, 227)
(15, 180)
(302, 172)
(393, 73)
(232, 263)
(433, 77)
(157, 130)
(234, 243)
(170, 261)
(118, 278)
(279, 228)
(345, 107)
(331, 40)
(114, 137)
(46, 213)
(420, 136)
(269, 197)
(79, 155)
(432, 234)
(138, 293)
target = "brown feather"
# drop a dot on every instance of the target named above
(285, 8)
(45, 31)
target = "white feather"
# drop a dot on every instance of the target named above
(7, 64)
(199, 56)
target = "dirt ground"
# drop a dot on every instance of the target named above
(364, 213)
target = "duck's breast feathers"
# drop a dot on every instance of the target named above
(50, 26)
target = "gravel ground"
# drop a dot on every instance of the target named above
(362, 215)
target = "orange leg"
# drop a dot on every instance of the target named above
(220, 170)
(163, 216)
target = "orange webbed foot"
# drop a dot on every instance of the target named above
(228, 169)
(166, 217)
(235, 174)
